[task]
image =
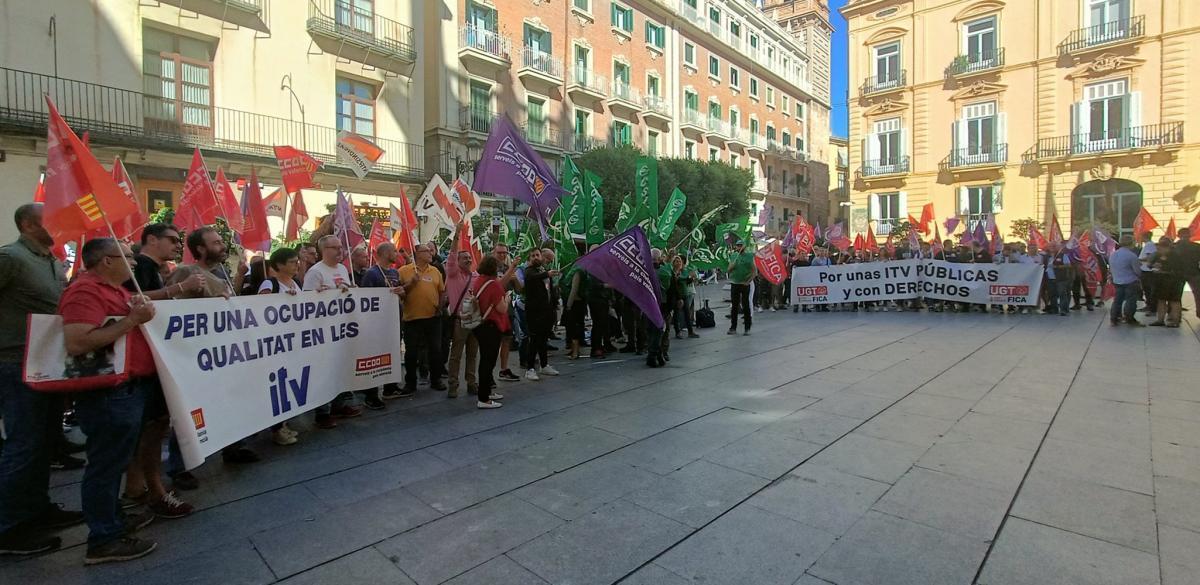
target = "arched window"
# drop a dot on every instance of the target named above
(1115, 202)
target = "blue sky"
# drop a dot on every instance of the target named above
(840, 70)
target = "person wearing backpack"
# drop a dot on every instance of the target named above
(459, 277)
(487, 298)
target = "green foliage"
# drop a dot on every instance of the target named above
(900, 231)
(1020, 228)
(167, 215)
(707, 184)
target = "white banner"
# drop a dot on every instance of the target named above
(1002, 284)
(231, 368)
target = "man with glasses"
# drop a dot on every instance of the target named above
(31, 282)
(331, 274)
(112, 417)
(423, 292)
(741, 274)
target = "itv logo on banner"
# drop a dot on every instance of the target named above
(281, 384)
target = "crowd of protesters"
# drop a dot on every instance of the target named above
(461, 321)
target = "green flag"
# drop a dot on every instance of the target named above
(645, 184)
(564, 242)
(506, 235)
(670, 215)
(575, 200)
(697, 233)
(727, 228)
(624, 215)
(526, 240)
(703, 259)
(595, 210)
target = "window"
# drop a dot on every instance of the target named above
(620, 73)
(691, 100)
(714, 15)
(178, 71)
(770, 54)
(979, 38)
(770, 172)
(770, 132)
(622, 18)
(537, 39)
(714, 154)
(689, 150)
(1106, 114)
(482, 18)
(800, 143)
(652, 143)
(800, 109)
(753, 131)
(535, 120)
(714, 67)
(977, 134)
(885, 210)
(355, 107)
(884, 145)
(753, 43)
(734, 120)
(656, 36)
(583, 125)
(583, 65)
(887, 65)
(785, 105)
(753, 88)
(735, 77)
(356, 14)
(754, 169)
(714, 110)
(583, 5)
(1107, 20)
(689, 54)
(734, 160)
(977, 203)
(1115, 201)
(480, 107)
(653, 87)
(735, 29)
(787, 138)
(770, 97)
(622, 133)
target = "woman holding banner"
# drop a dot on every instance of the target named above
(284, 263)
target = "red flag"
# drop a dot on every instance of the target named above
(273, 203)
(859, 243)
(889, 247)
(445, 201)
(1036, 239)
(296, 167)
(378, 236)
(296, 218)
(39, 192)
(404, 223)
(1144, 223)
(80, 195)
(1087, 259)
(1171, 231)
(1056, 234)
(870, 241)
(198, 204)
(806, 236)
(467, 241)
(466, 198)
(926, 217)
(769, 260)
(229, 209)
(912, 222)
(1194, 227)
(256, 235)
(131, 227)
(997, 239)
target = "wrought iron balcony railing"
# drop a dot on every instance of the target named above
(542, 62)
(476, 119)
(579, 142)
(360, 25)
(717, 127)
(625, 92)
(1121, 139)
(542, 134)
(1103, 34)
(984, 155)
(485, 41)
(694, 118)
(884, 166)
(982, 61)
(657, 105)
(128, 118)
(587, 80)
(885, 83)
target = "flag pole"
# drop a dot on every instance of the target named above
(113, 233)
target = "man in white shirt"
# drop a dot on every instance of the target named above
(330, 274)
(1149, 275)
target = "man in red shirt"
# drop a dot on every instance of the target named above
(97, 311)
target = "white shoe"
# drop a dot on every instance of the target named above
(488, 404)
(497, 396)
(282, 438)
(548, 371)
(289, 430)
(532, 375)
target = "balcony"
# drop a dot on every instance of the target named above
(874, 85)
(755, 143)
(693, 121)
(473, 119)
(759, 186)
(884, 167)
(984, 156)
(738, 136)
(1122, 141)
(716, 129)
(580, 143)
(967, 65)
(656, 108)
(585, 85)
(540, 68)
(484, 48)
(247, 13)
(781, 150)
(1103, 35)
(777, 188)
(625, 97)
(349, 31)
(135, 120)
(543, 136)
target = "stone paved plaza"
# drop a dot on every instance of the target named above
(843, 448)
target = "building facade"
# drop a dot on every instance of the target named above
(150, 81)
(711, 80)
(1037, 108)
(839, 179)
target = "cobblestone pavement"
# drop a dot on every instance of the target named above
(844, 448)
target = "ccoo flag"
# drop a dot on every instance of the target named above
(624, 263)
(296, 168)
(511, 168)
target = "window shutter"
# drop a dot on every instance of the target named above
(964, 202)
(1080, 126)
(872, 206)
(1135, 118)
(872, 149)
(902, 205)
(957, 135)
(997, 198)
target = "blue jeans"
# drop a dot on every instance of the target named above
(1127, 296)
(112, 421)
(33, 421)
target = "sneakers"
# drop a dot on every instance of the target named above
(283, 437)
(128, 502)
(374, 402)
(136, 522)
(55, 517)
(508, 376)
(185, 481)
(532, 375)
(122, 549)
(496, 396)
(548, 371)
(488, 405)
(171, 507)
(347, 411)
(391, 392)
(21, 542)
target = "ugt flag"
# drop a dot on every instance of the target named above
(769, 260)
(510, 167)
(624, 263)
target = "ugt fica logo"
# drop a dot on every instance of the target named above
(281, 384)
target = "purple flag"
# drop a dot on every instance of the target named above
(951, 224)
(510, 167)
(980, 235)
(834, 232)
(624, 263)
(966, 239)
(817, 232)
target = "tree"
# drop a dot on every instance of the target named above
(900, 231)
(706, 184)
(167, 215)
(1020, 228)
